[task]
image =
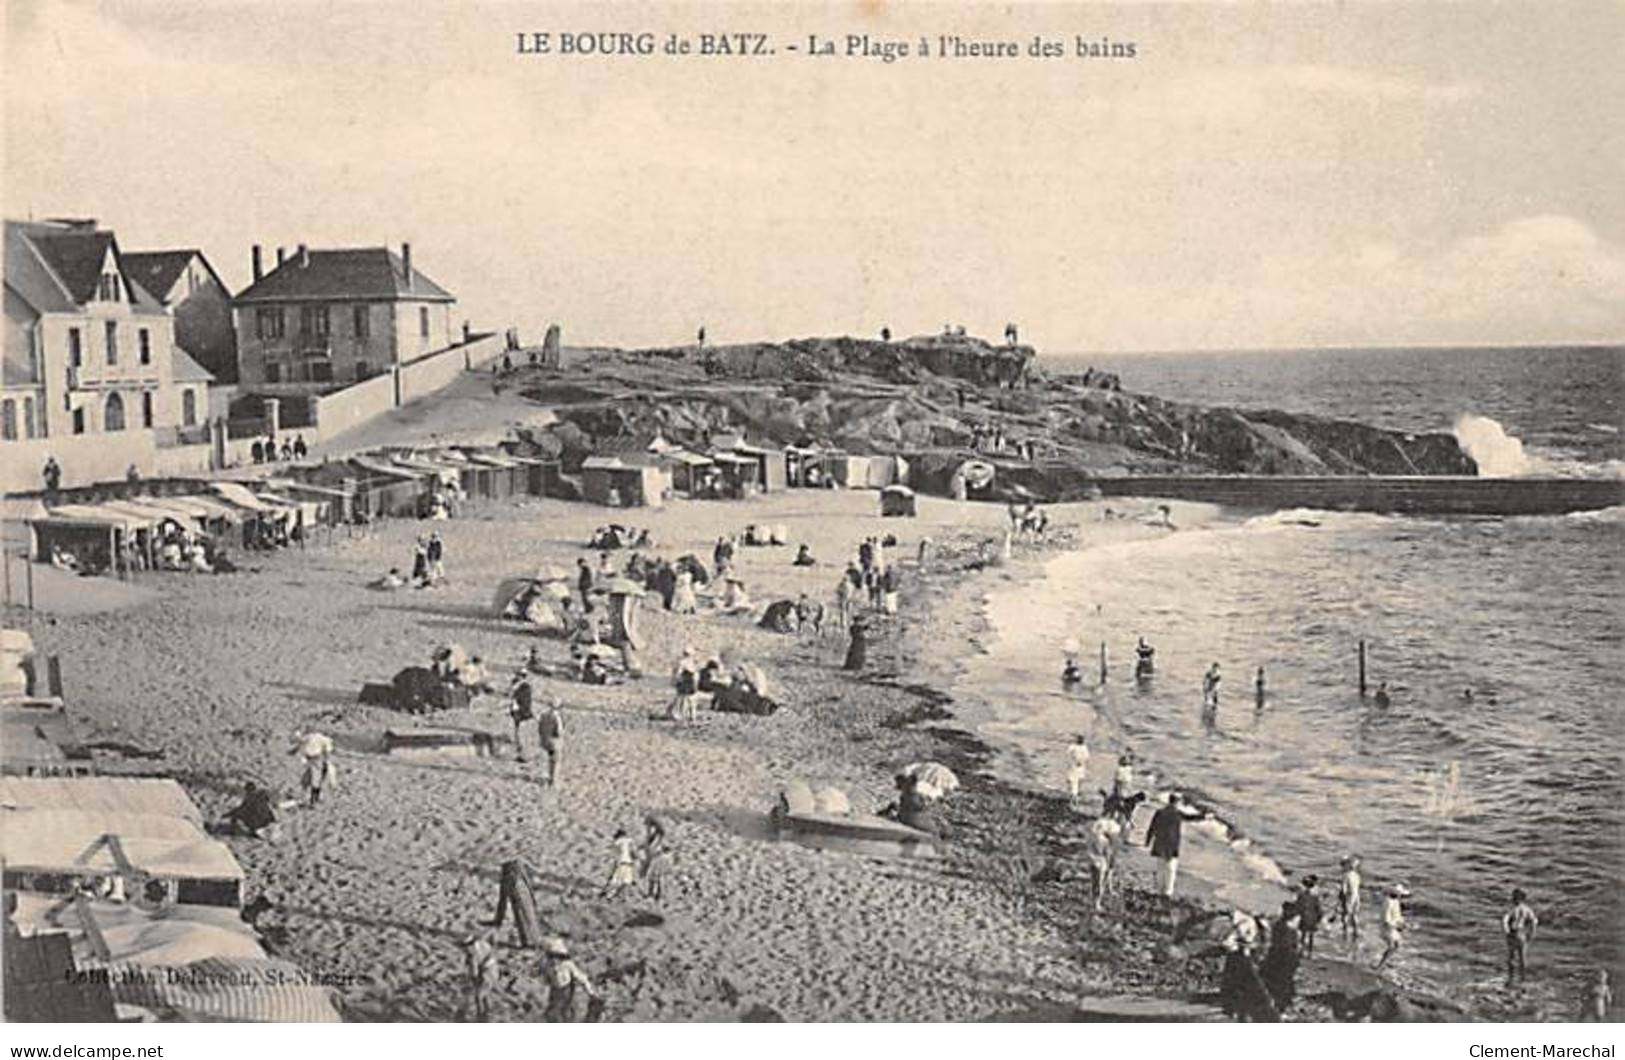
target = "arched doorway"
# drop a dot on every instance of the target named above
(113, 418)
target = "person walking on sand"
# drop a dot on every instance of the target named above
(564, 978)
(1348, 900)
(436, 550)
(1123, 777)
(624, 875)
(1393, 923)
(1164, 837)
(584, 583)
(1309, 912)
(857, 650)
(1104, 834)
(316, 752)
(521, 708)
(1519, 925)
(550, 736)
(655, 857)
(480, 965)
(1078, 753)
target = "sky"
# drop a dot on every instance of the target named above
(1256, 177)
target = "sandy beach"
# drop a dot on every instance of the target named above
(379, 883)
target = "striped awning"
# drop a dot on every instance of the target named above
(225, 989)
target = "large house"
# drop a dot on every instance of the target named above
(337, 316)
(186, 284)
(88, 351)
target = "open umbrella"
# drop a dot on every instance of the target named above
(508, 591)
(552, 572)
(624, 586)
(558, 590)
(935, 774)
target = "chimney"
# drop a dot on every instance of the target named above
(259, 263)
(406, 264)
(304, 256)
(281, 256)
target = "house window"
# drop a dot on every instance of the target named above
(273, 373)
(112, 342)
(76, 348)
(363, 370)
(188, 407)
(268, 324)
(362, 322)
(113, 415)
(8, 420)
(146, 408)
(423, 321)
(30, 430)
(313, 321)
(146, 346)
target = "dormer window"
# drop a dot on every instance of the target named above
(109, 287)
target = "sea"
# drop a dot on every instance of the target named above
(1498, 763)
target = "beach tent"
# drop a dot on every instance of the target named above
(897, 500)
(240, 496)
(335, 502)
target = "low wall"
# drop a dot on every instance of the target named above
(83, 458)
(354, 405)
(436, 371)
(1440, 495)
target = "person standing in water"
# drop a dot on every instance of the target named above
(1519, 925)
(1258, 690)
(1210, 690)
(1145, 660)
(1382, 699)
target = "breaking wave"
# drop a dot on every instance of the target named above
(1502, 455)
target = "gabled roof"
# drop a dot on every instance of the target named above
(30, 277)
(55, 267)
(183, 369)
(157, 270)
(372, 273)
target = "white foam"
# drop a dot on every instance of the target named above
(1497, 453)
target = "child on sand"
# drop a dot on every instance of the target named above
(624, 875)
(480, 964)
(316, 751)
(521, 708)
(1078, 754)
(686, 684)
(1309, 913)
(1393, 924)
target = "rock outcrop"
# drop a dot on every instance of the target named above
(940, 395)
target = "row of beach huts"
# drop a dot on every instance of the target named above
(119, 528)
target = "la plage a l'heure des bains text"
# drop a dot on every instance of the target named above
(1540, 1052)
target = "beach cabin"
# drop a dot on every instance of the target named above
(389, 489)
(538, 474)
(83, 537)
(687, 470)
(735, 476)
(610, 481)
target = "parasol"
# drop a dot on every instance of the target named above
(558, 590)
(552, 572)
(934, 774)
(623, 587)
(509, 590)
